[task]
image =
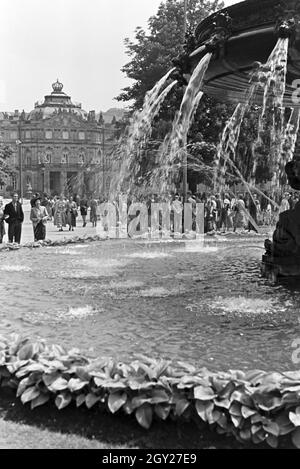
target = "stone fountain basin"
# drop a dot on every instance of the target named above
(252, 39)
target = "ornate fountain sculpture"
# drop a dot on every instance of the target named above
(241, 39)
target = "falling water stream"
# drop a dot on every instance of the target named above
(271, 78)
(138, 133)
(172, 154)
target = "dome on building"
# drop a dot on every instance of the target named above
(55, 103)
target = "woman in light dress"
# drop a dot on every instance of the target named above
(60, 213)
(39, 217)
(71, 212)
(239, 218)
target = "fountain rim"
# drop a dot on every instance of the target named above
(238, 10)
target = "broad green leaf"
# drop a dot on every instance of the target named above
(116, 401)
(26, 352)
(181, 406)
(29, 394)
(162, 411)
(83, 374)
(58, 385)
(241, 397)
(237, 420)
(91, 399)
(23, 384)
(128, 407)
(255, 428)
(224, 403)
(272, 427)
(296, 438)
(40, 400)
(204, 393)
(63, 400)
(267, 402)
(144, 416)
(227, 391)
(49, 378)
(203, 408)
(214, 416)
(80, 400)
(272, 441)
(259, 437)
(2, 357)
(236, 409)
(35, 367)
(223, 422)
(245, 434)
(75, 384)
(246, 412)
(295, 419)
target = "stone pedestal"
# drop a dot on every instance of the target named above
(282, 258)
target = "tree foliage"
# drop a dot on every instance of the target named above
(152, 52)
(6, 169)
(151, 55)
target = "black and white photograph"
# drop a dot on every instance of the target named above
(149, 228)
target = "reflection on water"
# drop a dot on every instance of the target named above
(173, 300)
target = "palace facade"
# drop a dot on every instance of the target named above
(58, 148)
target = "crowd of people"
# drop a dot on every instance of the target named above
(244, 211)
(63, 211)
(222, 212)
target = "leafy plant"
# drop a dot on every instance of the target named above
(254, 406)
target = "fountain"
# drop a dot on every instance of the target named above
(255, 47)
(248, 54)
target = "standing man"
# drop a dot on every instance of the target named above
(14, 216)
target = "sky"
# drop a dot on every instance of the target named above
(80, 42)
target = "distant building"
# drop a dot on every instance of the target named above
(58, 148)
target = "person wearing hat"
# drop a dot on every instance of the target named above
(39, 217)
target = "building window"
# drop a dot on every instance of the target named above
(14, 182)
(48, 134)
(81, 135)
(64, 158)
(27, 134)
(81, 158)
(14, 135)
(65, 135)
(28, 159)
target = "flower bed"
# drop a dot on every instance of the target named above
(254, 406)
(60, 242)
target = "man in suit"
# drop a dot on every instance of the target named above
(14, 216)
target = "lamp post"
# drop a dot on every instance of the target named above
(184, 152)
(19, 143)
(103, 160)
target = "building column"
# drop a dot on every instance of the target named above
(47, 181)
(63, 181)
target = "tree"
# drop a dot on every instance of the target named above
(151, 56)
(6, 169)
(152, 53)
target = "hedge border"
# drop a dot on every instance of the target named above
(253, 406)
